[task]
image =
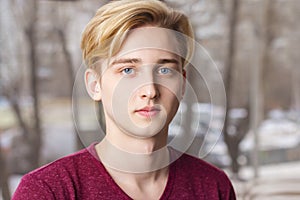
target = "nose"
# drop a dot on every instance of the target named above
(149, 91)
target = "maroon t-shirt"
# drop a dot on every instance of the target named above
(82, 176)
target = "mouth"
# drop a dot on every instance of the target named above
(148, 111)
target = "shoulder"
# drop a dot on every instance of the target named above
(192, 165)
(199, 176)
(68, 164)
(56, 179)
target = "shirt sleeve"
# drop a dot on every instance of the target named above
(232, 195)
(228, 189)
(31, 188)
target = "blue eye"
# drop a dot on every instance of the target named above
(164, 70)
(127, 71)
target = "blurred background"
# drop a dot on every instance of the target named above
(253, 132)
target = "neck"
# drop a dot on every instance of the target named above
(128, 162)
(141, 181)
(133, 144)
(139, 166)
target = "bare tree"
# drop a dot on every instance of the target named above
(258, 71)
(9, 87)
(233, 139)
(27, 146)
(35, 135)
(69, 65)
(4, 175)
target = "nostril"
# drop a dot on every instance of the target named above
(149, 91)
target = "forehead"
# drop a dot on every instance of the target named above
(150, 38)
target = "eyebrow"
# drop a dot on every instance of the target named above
(137, 60)
(126, 60)
(167, 60)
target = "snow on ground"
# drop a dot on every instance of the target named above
(280, 130)
(279, 181)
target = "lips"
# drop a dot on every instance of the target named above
(148, 111)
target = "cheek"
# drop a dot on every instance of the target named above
(172, 90)
(169, 100)
(171, 104)
(174, 84)
(119, 95)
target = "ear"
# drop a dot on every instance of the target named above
(92, 84)
(183, 83)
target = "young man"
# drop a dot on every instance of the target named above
(135, 51)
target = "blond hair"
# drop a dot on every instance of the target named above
(105, 33)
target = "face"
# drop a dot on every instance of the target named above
(142, 85)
